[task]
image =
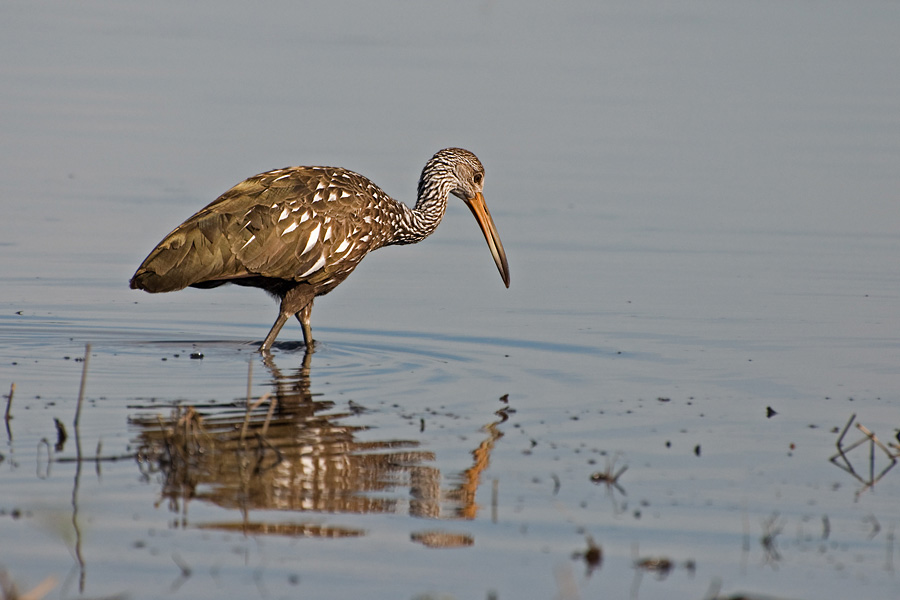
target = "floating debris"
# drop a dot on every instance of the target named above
(442, 539)
(61, 435)
(659, 565)
(843, 461)
(592, 557)
(608, 477)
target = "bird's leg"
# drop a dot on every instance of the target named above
(303, 316)
(297, 301)
(273, 333)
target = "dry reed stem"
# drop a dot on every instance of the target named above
(250, 409)
(268, 420)
(12, 390)
(84, 370)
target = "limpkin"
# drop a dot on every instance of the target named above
(299, 232)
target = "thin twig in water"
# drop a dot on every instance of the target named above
(272, 404)
(843, 461)
(12, 390)
(98, 457)
(75, 525)
(874, 438)
(250, 409)
(84, 370)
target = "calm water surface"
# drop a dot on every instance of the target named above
(699, 204)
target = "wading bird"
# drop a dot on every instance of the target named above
(299, 232)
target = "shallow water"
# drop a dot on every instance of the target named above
(699, 207)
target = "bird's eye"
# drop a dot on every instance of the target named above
(478, 178)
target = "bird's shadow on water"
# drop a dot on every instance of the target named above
(294, 450)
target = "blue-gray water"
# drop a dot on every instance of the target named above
(699, 204)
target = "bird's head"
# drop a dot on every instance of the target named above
(469, 176)
(452, 171)
(459, 172)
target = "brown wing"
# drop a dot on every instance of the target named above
(310, 224)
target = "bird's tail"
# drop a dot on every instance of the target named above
(190, 255)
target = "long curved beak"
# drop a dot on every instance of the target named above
(483, 216)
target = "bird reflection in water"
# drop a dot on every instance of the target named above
(292, 450)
